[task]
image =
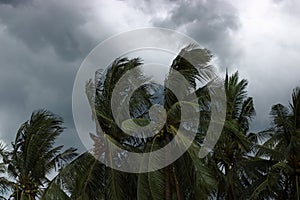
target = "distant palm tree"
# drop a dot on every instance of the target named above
(230, 154)
(5, 183)
(282, 145)
(34, 155)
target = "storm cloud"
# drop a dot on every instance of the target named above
(57, 25)
(211, 23)
(42, 44)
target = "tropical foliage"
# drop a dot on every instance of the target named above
(282, 145)
(242, 164)
(34, 156)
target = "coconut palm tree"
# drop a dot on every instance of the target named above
(34, 155)
(5, 183)
(186, 178)
(282, 145)
(230, 157)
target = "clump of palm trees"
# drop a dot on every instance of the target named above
(242, 165)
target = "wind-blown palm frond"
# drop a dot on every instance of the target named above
(5, 184)
(231, 151)
(282, 146)
(34, 156)
(81, 179)
(193, 64)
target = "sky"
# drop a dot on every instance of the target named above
(43, 43)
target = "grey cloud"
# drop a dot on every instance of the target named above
(33, 81)
(278, 1)
(43, 43)
(14, 2)
(210, 23)
(152, 7)
(42, 46)
(290, 7)
(57, 24)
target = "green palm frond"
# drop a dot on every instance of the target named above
(34, 154)
(282, 146)
(83, 178)
(193, 64)
(295, 107)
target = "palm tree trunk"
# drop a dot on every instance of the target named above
(229, 195)
(177, 186)
(218, 194)
(167, 184)
(167, 173)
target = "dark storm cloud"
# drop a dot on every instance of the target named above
(42, 46)
(209, 22)
(14, 2)
(32, 81)
(57, 24)
(43, 42)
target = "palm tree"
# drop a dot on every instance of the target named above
(282, 145)
(5, 183)
(186, 178)
(230, 157)
(34, 155)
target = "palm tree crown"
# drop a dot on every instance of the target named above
(34, 154)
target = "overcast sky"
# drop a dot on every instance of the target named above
(42, 44)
